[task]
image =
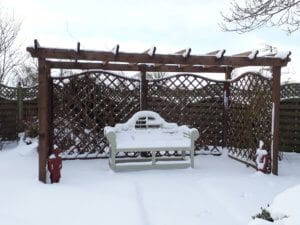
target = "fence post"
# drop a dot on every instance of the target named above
(276, 74)
(43, 115)
(143, 91)
(226, 104)
(20, 106)
(227, 84)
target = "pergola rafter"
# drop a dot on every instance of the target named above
(149, 60)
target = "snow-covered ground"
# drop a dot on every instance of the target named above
(219, 191)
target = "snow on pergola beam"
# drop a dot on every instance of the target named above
(136, 67)
(125, 61)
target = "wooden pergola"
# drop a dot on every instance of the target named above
(148, 61)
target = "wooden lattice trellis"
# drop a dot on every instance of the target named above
(177, 94)
(249, 116)
(84, 104)
(188, 99)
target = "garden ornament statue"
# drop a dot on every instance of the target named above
(54, 166)
(262, 158)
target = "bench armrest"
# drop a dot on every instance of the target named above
(109, 133)
(192, 133)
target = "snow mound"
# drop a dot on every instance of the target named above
(284, 209)
(285, 206)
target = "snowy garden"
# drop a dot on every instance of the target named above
(99, 125)
(217, 191)
(90, 122)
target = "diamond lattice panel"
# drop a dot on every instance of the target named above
(84, 104)
(249, 115)
(191, 100)
(289, 91)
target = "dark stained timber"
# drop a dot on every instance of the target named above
(104, 56)
(249, 115)
(84, 104)
(18, 109)
(289, 117)
(192, 100)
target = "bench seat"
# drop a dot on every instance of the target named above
(146, 131)
(145, 140)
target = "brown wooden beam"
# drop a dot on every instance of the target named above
(36, 44)
(226, 120)
(218, 53)
(143, 91)
(184, 53)
(135, 67)
(237, 61)
(276, 73)
(228, 73)
(150, 51)
(115, 50)
(43, 116)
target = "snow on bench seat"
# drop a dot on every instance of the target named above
(151, 139)
(147, 131)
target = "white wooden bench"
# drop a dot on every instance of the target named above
(146, 131)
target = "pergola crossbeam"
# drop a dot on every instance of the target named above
(236, 61)
(135, 67)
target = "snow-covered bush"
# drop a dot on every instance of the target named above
(264, 214)
(283, 210)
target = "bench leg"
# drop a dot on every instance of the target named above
(192, 153)
(112, 160)
(183, 154)
(153, 157)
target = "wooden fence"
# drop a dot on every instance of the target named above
(235, 113)
(18, 106)
(290, 117)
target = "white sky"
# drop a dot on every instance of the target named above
(170, 25)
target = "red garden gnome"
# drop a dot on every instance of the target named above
(54, 166)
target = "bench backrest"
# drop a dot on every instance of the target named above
(146, 120)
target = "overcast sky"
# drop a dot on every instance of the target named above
(138, 25)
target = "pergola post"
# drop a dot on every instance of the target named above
(43, 116)
(276, 73)
(143, 90)
(226, 104)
